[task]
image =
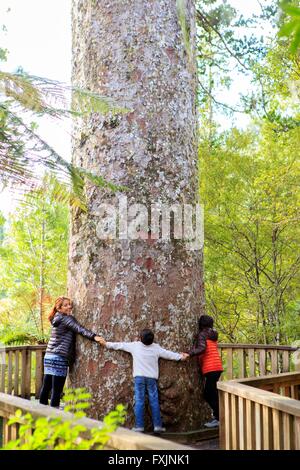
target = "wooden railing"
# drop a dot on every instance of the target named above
(258, 412)
(261, 413)
(21, 370)
(121, 439)
(254, 360)
(21, 367)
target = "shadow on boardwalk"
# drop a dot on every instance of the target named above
(204, 439)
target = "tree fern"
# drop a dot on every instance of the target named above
(23, 153)
(21, 336)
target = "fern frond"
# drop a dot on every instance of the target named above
(24, 154)
(85, 102)
(21, 90)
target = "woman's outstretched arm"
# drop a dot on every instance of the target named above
(70, 322)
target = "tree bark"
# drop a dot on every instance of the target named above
(134, 52)
(42, 274)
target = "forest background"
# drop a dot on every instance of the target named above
(249, 169)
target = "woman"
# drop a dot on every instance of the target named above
(60, 349)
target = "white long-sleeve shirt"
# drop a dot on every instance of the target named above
(145, 358)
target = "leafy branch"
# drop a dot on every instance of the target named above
(291, 29)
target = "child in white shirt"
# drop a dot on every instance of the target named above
(145, 356)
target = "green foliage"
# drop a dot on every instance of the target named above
(56, 434)
(17, 333)
(33, 265)
(291, 28)
(228, 49)
(249, 181)
(276, 73)
(251, 197)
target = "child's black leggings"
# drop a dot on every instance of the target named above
(211, 392)
(55, 384)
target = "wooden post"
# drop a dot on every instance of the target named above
(250, 428)
(228, 430)
(241, 359)
(262, 362)
(297, 432)
(38, 373)
(296, 360)
(286, 361)
(2, 371)
(23, 373)
(274, 361)
(222, 429)
(14, 431)
(251, 355)
(276, 429)
(242, 424)
(234, 422)
(10, 372)
(267, 429)
(6, 431)
(258, 427)
(26, 374)
(16, 382)
(286, 420)
(229, 364)
(294, 392)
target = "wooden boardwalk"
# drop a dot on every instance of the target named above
(204, 439)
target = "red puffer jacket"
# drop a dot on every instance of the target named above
(207, 350)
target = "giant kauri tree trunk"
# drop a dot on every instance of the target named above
(139, 53)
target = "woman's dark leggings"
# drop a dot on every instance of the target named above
(55, 384)
(211, 391)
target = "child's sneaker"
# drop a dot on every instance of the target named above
(137, 429)
(212, 424)
(159, 429)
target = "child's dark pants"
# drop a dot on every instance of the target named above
(211, 391)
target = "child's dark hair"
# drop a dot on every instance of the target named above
(147, 336)
(205, 321)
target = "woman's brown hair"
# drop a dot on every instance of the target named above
(57, 305)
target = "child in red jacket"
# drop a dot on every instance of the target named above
(206, 349)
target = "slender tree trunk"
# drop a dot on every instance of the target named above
(42, 275)
(210, 93)
(258, 289)
(134, 51)
(276, 288)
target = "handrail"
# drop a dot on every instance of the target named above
(33, 347)
(28, 347)
(255, 360)
(260, 413)
(257, 346)
(121, 439)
